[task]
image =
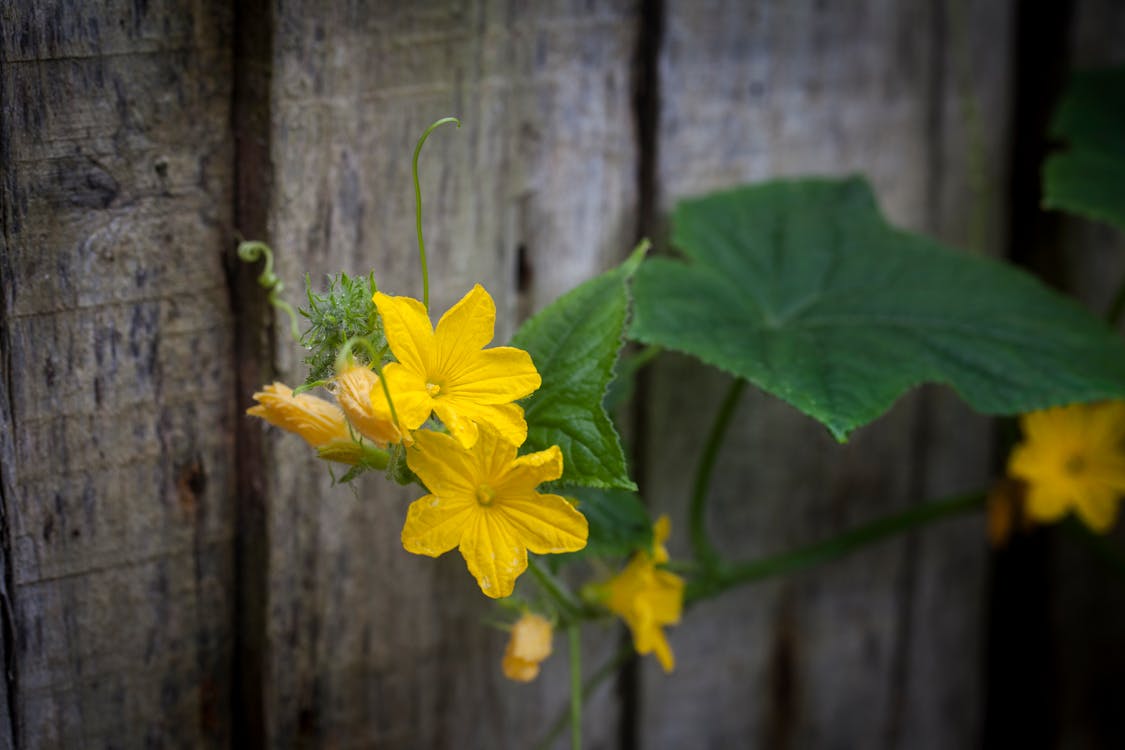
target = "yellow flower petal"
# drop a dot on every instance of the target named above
(448, 373)
(353, 392)
(534, 469)
(412, 403)
(548, 524)
(494, 554)
(507, 516)
(434, 525)
(493, 376)
(317, 421)
(409, 332)
(443, 466)
(462, 417)
(529, 644)
(1098, 510)
(647, 598)
(1072, 459)
(466, 328)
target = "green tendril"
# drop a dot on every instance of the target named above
(376, 361)
(252, 252)
(418, 207)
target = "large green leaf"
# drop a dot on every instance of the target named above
(803, 289)
(574, 343)
(1089, 178)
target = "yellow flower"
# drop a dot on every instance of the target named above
(484, 501)
(529, 644)
(647, 597)
(1073, 458)
(354, 385)
(447, 371)
(319, 422)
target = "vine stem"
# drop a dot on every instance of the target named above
(418, 206)
(574, 636)
(700, 541)
(604, 672)
(553, 586)
(729, 576)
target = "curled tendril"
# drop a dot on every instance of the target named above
(376, 356)
(418, 207)
(252, 252)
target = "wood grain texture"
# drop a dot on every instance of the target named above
(368, 645)
(117, 412)
(879, 650)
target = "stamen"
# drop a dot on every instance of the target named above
(485, 495)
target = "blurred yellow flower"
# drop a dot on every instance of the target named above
(448, 372)
(647, 597)
(319, 422)
(483, 500)
(1073, 458)
(354, 384)
(529, 644)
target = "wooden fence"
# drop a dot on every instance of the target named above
(174, 576)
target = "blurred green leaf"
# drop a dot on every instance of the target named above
(1088, 178)
(803, 289)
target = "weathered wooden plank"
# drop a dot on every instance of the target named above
(117, 413)
(368, 645)
(1087, 600)
(846, 655)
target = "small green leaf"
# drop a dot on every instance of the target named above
(803, 289)
(574, 343)
(619, 522)
(1089, 178)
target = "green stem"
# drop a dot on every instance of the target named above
(252, 252)
(700, 541)
(605, 671)
(574, 635)
(830, 549)
(571, 606)
(418, 207)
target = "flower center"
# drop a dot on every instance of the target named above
(433, 389)
(1075, 465)
(485, 495)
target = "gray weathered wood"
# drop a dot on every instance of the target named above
(1087, 600)
(879, 649)
(115, 160)
(367, 644)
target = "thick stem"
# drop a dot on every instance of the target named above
(737, 574)
(700, 541)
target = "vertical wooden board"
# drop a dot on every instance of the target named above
(843, 655)
(117, 487)
(368, 644)
(1087, 597)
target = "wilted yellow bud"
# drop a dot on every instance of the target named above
(318, 421)
(353, 392)
(529, 645)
